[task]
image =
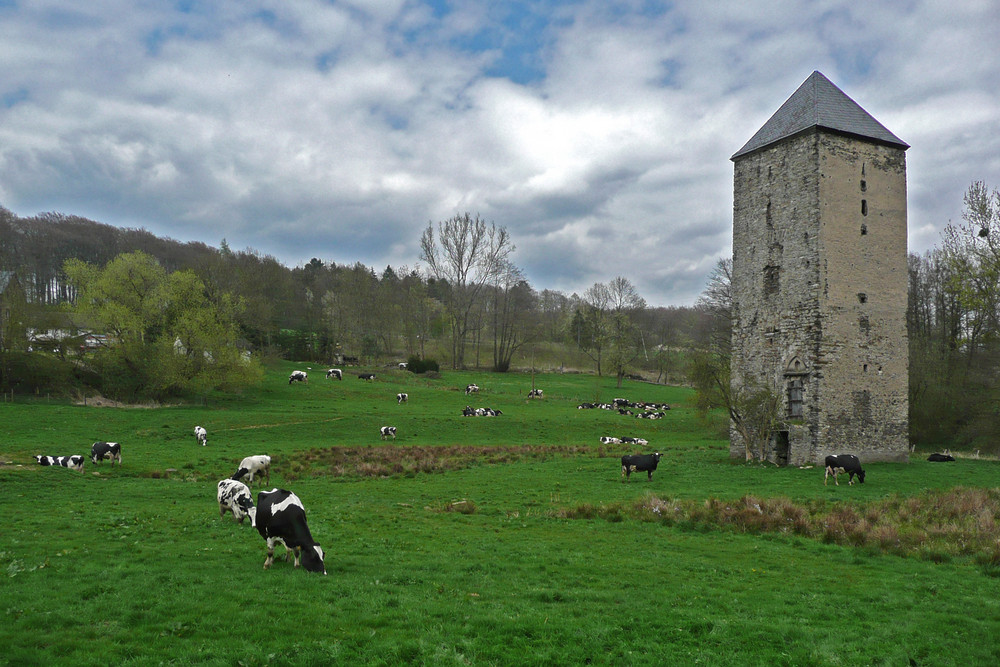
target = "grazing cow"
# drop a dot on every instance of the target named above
(471, 389)
(366, 376)
(387, 431)
(254, 466)
(335, 373)
(843, 463)
(75, 462)
(201, 434)
(281, 518)
(610, 440)
(235, 496)
(638, 463)
(535, 393)
(938, 457)
(298, 376)
(402, 398)
(106, 450)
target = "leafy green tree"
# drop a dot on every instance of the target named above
(958, 364)
(164, 335)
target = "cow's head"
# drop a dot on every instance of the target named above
(861, 476)
(312, 559)
(244, 505)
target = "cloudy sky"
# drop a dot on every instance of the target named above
(598, 132)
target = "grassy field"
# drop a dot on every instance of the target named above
(478, 541)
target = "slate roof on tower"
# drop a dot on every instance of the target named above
(819, 103)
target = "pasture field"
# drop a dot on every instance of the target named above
(506, 540)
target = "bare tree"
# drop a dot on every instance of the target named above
(466, 254)
(511, 307)
(717, 302)
(590, 325)
(625, 338)
(753, 409)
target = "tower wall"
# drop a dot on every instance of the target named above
(864, 354)
(819, 301)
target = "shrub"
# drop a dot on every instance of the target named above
(417, 365)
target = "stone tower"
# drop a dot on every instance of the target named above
(820, 277)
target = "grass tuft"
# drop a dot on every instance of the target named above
(936, 525)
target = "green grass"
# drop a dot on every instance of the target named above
(133, 565)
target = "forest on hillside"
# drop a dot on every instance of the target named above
(475, 311)
(324, 311)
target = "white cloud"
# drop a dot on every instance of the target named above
(309, 129)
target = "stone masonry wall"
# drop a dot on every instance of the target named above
(818, 298)
(863, 300)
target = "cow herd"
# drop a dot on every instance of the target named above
(98, 452)
(639, 410)
(279, 515)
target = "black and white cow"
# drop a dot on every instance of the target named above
(471, 389)
(298, 376)
(610, 440)
(335, 373)
(366, 376)
(281, 518)
(235, 497)
(403, 365)
(106, 450)
(535, 393)
(75, 462)
(938, 457)
(201, 434)
(634, 441)
(254, 466)
(387, 431)
(638, 463)
(843, 463)
(402, 398)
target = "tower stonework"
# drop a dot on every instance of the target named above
(820, 278)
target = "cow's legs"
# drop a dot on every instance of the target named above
(270, 553)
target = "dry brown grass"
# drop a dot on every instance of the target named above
(394, 461)
(936, 525)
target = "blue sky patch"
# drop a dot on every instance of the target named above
(14, 97)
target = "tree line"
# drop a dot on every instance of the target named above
(471, 307)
